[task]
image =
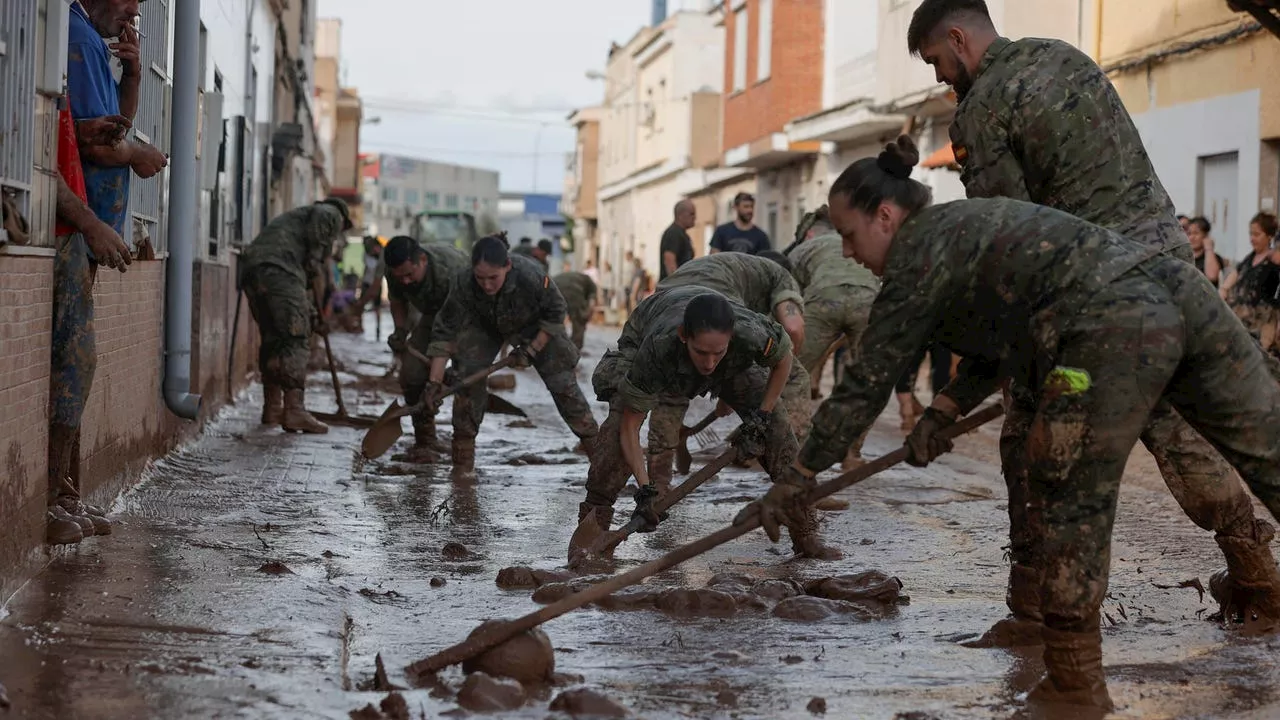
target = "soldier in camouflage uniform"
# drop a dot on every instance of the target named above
(418, 277)
(838, 293)
(684, 342)
(579, 292)
(1038, 120)
(539, 252)
(503, 298)
(282, 272)
(763, 286)
(1102, 330)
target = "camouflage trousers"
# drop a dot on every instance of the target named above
(609, 471)
(828, 315)
(1155, 343)
(579, 318)
(477, 348)
(415, 374)
(73, 357)
(283, 310)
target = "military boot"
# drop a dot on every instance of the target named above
(1248, 591)
(78, 510)
(806, 542)
(296, 418)
(425, 434)
(1024, 626)
(86, 525)
(61, 529)
(1073, 672)
(464, 458)
(272, 404)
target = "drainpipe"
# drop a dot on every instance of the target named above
(182, 212)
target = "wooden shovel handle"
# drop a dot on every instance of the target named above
(499, 633)
(702, 425)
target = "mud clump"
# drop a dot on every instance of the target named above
(483, 693)
(696, 603)
(275, 567)
(806, 608)
(522, 423)
(583, 703)
(520, 577)
(636, 598)
(455, 551)
(392, 707)
(871, 589)
(777, 589)
(438, 582)
(527, 657)
(727, 698)
(505, 381)
(817, 706)
(556, 591)
(831, 504)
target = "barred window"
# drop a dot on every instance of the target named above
(17, 101)
(147, 201)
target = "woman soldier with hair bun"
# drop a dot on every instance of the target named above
(1096, 327)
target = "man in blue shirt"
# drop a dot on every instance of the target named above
(95, 98)
(741, 234)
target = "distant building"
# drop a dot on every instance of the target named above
(533, 215)
(396, 188)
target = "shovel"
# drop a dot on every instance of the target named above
(594, 541)
(497, 405)
(501, 632)
(684, 460)
(341, 417)
(387, 430)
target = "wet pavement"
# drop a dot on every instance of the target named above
(257, 574)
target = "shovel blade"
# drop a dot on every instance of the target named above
(384, 433)
(684, 460)
(499, 405)
(584, 536)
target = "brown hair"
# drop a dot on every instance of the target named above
(1266, 221)
(870, 181)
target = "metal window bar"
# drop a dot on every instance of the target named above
(17, 99)
(147, 198)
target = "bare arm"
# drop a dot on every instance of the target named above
(629, 435)
(791, 318)
(102, 239)
(399, 314)
(1228, 284)
(778, 375)
(669, 262)
(127, 49)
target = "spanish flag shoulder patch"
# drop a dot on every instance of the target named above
(961, 153)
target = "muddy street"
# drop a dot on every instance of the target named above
(257, 574)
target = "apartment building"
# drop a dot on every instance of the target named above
(581, 182)
(340, 114)
(659, 120)
(1198, 78)
(397, 188)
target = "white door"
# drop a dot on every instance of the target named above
(1219, 177)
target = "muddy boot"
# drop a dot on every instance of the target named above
(85, 524)
(806, 543)
(78, 510)
(1073, 673)
(464, 458)
(1248, 591)
(272, 404)
(61, 529)
(853, 458)
(296, 418)
(1025, 625)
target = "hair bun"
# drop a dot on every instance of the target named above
(899, 157)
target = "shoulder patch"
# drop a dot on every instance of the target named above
(546, 281)
(961, 153)
(768, 347)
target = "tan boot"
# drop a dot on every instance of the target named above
(1025, 625)
(805, 541)
(1248, 591)
(425, 435)
(272, 405)
(61, 529)
(464, 458)
(85, 524)
(296, 418)
(1073, 673)
(99, 523)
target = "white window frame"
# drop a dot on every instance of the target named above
(740, 49)
(764, 40)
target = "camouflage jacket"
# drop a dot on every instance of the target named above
(819, 265)
(444, 263)
(578, 289)
(527, 251)
(299, 241)
(758, 283)
(996, 281)
(1043, 123)
(658, 361)
(528, 302)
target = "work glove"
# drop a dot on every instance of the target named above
(396, 341)
(433, 397)
(648, 516)
(522, 356)
(782, 505)
(925, 444)
(319, 325)
(753, 436)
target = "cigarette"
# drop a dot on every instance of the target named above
(136, 21)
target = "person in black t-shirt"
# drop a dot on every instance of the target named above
(741, 235)
(1213, 265)
(676, 248)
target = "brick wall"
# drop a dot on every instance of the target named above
(794, 86)
(26, 307)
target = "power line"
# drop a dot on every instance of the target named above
(395, 147)
(436, 105)
(417, 109)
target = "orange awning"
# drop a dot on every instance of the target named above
(942, 157)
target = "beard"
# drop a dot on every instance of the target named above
(963, 81)
(746, 219)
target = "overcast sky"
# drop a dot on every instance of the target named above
(469, 81)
